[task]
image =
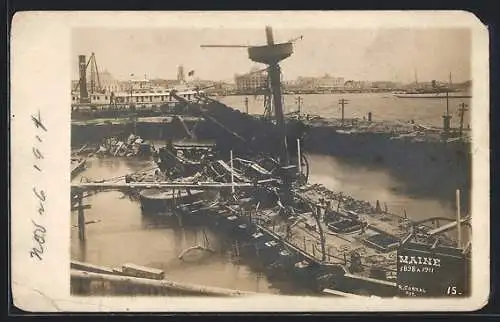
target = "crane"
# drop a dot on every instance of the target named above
(94, 75)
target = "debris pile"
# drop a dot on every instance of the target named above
(347, 202)
(114, 146)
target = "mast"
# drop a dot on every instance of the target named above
(271, 54)
(92, 74)
(447, 95)
(447, 103)
(461, 111)
(275, 78)
(99, 88)
(459, 229)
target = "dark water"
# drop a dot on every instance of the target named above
(370, 184)
(121, 234)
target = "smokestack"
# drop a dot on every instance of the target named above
(84, 95)
(180, 74)
(269, 35)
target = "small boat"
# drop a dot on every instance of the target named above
(162, 201)
(436, 91)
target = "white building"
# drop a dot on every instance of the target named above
(330, 82)
(326, 82)
(254, 80)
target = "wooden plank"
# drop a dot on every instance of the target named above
(370, 280)
(157, 284)
(166, 185)
(142, 271)
(446, 227)
(90, 267)
(75, 208)
(344, 294)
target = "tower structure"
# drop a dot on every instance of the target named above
(180, 74)
(271, 54)
(84, 95)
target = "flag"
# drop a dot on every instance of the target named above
(191, 73)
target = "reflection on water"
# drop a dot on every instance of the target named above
(117, 232)
(122, 235)
(371, 185)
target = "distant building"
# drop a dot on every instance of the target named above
(227, 86)
(357, 85)
(201, 83)
(330, 82)
(365, 84)
(167, 83)
(104, 82)
(306, 83)
(136, 84)
(254, 80)
(383, 85)
(326, 82)
(108, 82)
(222, 88)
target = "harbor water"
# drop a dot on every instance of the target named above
(383, 106)
(118, 233)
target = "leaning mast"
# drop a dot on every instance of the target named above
(271, 54)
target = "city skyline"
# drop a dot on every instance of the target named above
(398, 55)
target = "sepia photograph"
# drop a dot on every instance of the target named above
(286, 160)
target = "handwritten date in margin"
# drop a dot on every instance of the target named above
(39, 238)
(39, 231)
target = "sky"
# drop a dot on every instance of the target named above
(399, 55)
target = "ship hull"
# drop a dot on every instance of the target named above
(428, 168)
(156, 201)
